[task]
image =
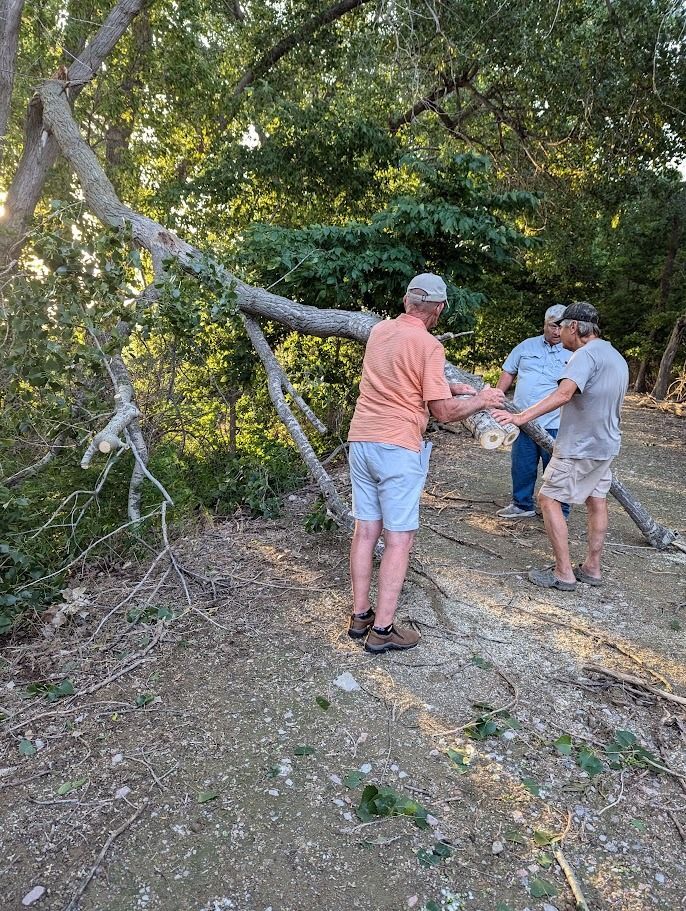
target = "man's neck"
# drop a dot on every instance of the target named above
(580, 342)
(422, 316)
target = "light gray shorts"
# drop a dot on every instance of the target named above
(575, 480)
(387, 483)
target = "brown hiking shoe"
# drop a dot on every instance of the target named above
(359, 627)
(397, 639)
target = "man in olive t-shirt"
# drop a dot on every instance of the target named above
(591, 391)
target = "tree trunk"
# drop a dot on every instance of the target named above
(10, 17)
(40, 149)
(664, 373)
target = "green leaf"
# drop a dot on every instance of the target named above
(532, 786)
(206, 796)
(589, 762)
(434, 856)
(143, 699)
(323, 703)
(304, 751)
(26, 748)
(514, 836)
(542, 888)
(68, 786)
(542, 838)
(638, 824)
(460, 759)
(431, 905)
(544, 860)
(481, 729)
(353, 779)
(563, 745)
(483, 663)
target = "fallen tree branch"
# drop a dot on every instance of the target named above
(599, 637)
(275, 383)
(573, 882)
(40, 150)
(113, 836)
(634, 681)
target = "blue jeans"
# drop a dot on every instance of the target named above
(525, 458)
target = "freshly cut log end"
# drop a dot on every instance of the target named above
(108, 443)
(511, 434)
(491, 439)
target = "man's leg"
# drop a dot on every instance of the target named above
(545, 458)
(596, 523)
(524, 470)
(365, 536)
(392, 571)
(556, 529)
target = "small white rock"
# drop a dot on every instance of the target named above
(121, 793)
(497, 847)
(33, 896)
(347, 682)
(366, 768)
(117, 758)
(659, 878)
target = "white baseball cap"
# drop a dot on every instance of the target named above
(428, 287)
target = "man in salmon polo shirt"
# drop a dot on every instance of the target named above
(402, 382)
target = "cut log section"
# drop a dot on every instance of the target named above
(484, 428)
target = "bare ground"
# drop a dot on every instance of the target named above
(220, 758)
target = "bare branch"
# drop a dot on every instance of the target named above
(275, 382)
(430, 102)
(31, 470)
(287, 44)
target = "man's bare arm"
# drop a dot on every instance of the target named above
(505, 381)
(457, 409)
(561, 396)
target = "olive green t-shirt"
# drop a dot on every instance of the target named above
(589, 422)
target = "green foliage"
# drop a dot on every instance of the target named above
(451, 222)
(51, 691)
(490, 724)
(624, 751)
(318, 519)
(254, 485)
(386, 801)
(435, 855)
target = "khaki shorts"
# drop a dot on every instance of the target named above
(575, 480)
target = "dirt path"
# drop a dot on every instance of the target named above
(248, 761)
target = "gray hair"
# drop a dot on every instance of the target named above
(583, 328)
(554, 312)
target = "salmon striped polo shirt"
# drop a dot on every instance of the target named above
(402, 371)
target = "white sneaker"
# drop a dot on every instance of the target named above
(514, 512)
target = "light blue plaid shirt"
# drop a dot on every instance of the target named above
(538, 366)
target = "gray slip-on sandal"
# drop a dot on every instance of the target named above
(584, 577)
(546, 578)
